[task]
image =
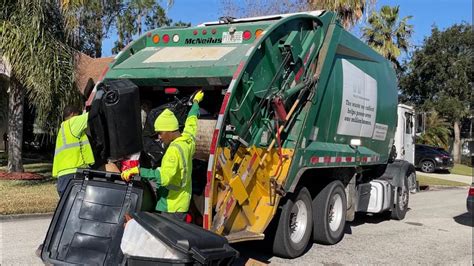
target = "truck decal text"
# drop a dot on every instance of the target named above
(202, 40)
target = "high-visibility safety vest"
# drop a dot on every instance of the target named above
(174, 177)
(73, 149)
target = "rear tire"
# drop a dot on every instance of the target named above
(294, 225)
(329, 214)
(401, 200)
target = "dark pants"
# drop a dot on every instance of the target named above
(61, 185)
(181, 216)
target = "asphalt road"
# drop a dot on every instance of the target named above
(436, 230)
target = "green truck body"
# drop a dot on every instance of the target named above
(298, 105)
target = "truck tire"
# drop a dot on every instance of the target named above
(329, 214)
(401, 200)
(294, 225)
(427, 166)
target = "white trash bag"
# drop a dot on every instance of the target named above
(138, 242)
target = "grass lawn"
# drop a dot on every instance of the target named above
(28, 196)
(431, 181)
(19, 197)
(461, 169)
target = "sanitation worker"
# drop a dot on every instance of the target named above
(72, 147)
(173, 178)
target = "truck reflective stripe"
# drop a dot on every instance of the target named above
(239, 69)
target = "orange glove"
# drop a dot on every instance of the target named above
(129, 173)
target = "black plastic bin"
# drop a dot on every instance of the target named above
(115, 120)
(197, 245)
(87, 226)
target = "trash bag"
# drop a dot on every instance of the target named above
(153, 148)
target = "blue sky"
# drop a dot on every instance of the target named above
(426, 13)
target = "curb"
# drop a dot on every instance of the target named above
(439, 187)
(11, 217)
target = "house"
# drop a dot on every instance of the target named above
(88, 71)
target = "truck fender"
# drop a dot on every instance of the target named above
(396, 171)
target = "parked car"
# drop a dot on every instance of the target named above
(470, 199)
(431, 158)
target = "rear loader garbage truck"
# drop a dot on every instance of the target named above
(296, 129)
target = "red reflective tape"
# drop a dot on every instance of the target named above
(206, 221)
(307, 57)
(239, 69)
(314, 160)
(252, 161)
(103, 73)
(338, 159)
(207, 189)
(214, 141)
(327, 159)
(298, 74)
(348, 159)
(228, 205)
(209, 176)
(364, 159)
(224, 103)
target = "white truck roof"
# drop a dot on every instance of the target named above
(269, 17)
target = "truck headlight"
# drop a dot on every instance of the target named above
(438, 159)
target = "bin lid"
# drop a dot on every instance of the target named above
(87, 225)
(202, 245)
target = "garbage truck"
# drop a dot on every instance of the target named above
(296, 131)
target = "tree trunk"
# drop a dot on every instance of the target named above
(457, 142)
(16, 97)
(98, 38)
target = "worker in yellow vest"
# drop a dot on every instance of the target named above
(173, 178)
(72, 147)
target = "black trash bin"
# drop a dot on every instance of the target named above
(88, 223)
(194, 244)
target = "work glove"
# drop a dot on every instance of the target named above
(128, 174)
(198, 97)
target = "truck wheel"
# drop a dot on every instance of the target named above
(427, 166)
(402, 197)
(329, 214)
(294, 226)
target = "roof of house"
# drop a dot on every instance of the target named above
(89, 70)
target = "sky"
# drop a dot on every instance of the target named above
(442, 13)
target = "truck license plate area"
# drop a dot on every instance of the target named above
(235, 37)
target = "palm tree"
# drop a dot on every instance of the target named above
(388, 34)
(33, 44)
(348, 11)
(437, 131)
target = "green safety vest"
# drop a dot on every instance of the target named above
(173, 178)
(72, 151)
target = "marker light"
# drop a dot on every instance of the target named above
(204, 32)
(176, 38)
(171, 91)
(247, 35)
(213, 31)
(195, 32)
(156, 38)
(258, 33)
(166, 38)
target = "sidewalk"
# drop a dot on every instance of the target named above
(452, 177)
